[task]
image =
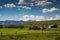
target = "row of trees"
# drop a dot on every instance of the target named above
(29, 27)
(36, 28)
(12, 26)
(22, 26)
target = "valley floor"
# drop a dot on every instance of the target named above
(24, 34)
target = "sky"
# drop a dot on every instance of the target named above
(37, 10)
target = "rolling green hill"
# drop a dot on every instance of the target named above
(41, 23)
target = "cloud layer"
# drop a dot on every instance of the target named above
(38, 18)
(10, 5)
(30, 2)
(36, 2)
(49, 10)
(42, 3)
(25, 7)
(57, 17)
(32, 17)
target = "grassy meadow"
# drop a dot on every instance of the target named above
(26, 34)
(23, 34)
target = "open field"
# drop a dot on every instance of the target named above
(23, 34)
(18, 31)
(26, 34)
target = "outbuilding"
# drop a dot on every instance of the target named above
(52, 26)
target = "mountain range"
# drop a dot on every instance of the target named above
(13, 22)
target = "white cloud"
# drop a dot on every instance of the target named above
(25, 7)
(42, 3)
(10, 5)
(36, 2)
(55, 18)
(32, 17)
(21, 2)
(38, 18)
(0, 6)
(49, 10)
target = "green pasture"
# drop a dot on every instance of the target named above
(18, 31)
(25, 34)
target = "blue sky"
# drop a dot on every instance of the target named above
(29, 10)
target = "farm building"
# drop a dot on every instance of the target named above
(45, 24)
(52, 26)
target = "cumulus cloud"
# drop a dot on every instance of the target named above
(42, 3)
(32, 17)
(10, 5)
(25, 7)
(55, 18)
(36, 2)
(49, 10)
(38, 18)
(21, 2)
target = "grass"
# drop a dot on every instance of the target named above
(17, 31)
(24, 34)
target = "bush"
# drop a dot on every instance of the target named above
(1, 26)
(34, 28)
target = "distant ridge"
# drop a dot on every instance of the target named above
(43, 22)
(13, 22)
